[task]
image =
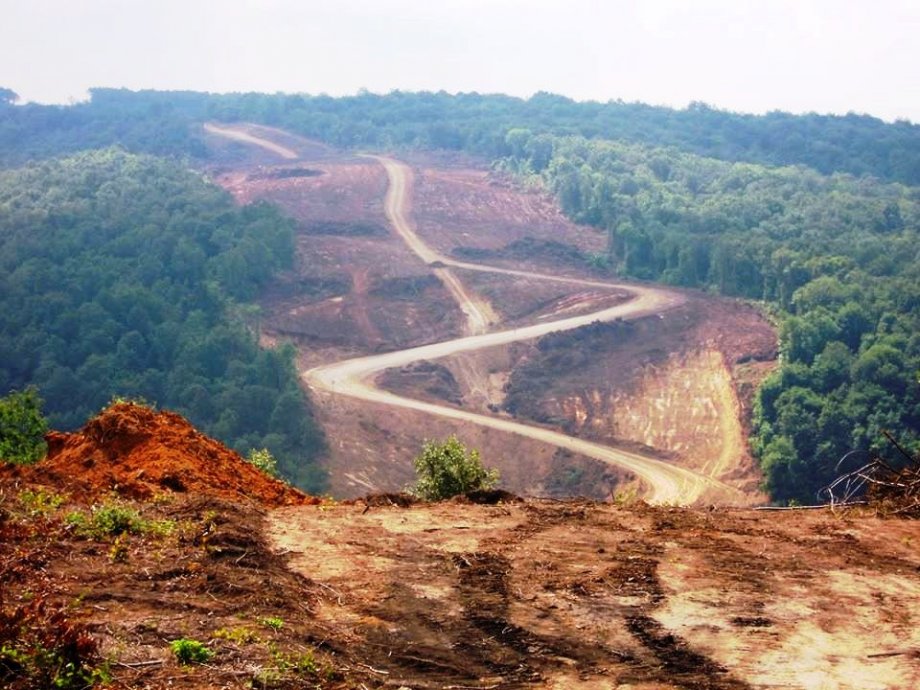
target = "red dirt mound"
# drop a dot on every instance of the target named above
(138, 452)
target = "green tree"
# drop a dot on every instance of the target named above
(448, 469)
(22, 427)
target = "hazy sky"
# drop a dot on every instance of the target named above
(752, 56)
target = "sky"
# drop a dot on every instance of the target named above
(826, 56)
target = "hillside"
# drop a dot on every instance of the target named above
(500, 214)
(127, 275)
(385, 592)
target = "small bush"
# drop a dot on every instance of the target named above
(448, 469)
(113, 518)
(40, 503)
(273, 622)
(22, 427)
(189, 651)
(263, 460)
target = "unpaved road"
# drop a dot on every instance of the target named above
(246, 138)
(355, 377)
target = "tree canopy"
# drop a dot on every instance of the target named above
(122, 275)
(838, 256)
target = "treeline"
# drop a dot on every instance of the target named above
(166, 122)
(126, 275)
(33, 132)
(838, 256)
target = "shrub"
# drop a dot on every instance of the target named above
(114, 518)
(190, 651)
(40, 503)
(22, 427)
(263, 460)
(448, 469)
(273, 622)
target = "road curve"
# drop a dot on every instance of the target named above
(246, 138)
(355, 377)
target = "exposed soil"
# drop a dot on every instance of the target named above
(483, 591)
(682, 385)
(136, 452)
(585, 595)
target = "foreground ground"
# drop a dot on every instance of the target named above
(537, 594)
(139, 531)
(586, 595)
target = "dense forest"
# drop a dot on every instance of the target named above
(161, 122)
(815, 215)
(127, 275)
(838, 257)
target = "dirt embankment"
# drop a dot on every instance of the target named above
(136, 452)
(681, 385)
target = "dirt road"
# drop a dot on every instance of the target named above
(355, 378)
(247, 138)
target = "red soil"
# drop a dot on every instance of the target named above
(138, 452)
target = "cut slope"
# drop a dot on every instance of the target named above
(138, 452)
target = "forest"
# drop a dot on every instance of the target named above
(816, 217)
(836, 257)
(161, 122)
(125, 275)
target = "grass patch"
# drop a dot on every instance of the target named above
(188, 651)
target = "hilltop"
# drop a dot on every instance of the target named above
(384, 591)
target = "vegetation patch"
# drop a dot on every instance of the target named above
(189, 651)
(22, 427)
(448, 468)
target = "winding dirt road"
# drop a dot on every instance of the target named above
(355, 378)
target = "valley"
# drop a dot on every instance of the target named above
(405, 295)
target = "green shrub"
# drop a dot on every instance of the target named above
(40, 502)
(190, 651)
(263, 460)
(448, 469)
(273, 622)
(22, 427)
(114, 518)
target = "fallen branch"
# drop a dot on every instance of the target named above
(139, 664)
(372, 669)
(816, 507)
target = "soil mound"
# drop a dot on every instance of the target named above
(138, 452)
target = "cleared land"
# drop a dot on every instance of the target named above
(358, 462)
(585, 595)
